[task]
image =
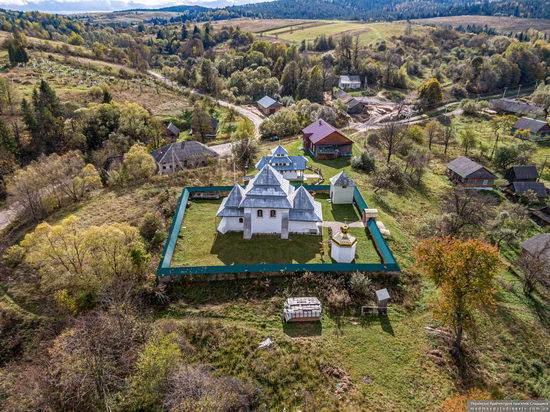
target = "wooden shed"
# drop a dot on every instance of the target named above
(303, 309)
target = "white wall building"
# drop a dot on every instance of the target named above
(343, 246)
(270, 205)
(347, 82)
(342, 189)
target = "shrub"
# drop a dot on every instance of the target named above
(149, 227)
(390, 177)
(472, 107)
(365, 162)
(360, 284)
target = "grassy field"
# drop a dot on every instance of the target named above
(501, 24)
(368, 32)
(200, 244)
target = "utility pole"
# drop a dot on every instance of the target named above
(519, 88)
(504, 94)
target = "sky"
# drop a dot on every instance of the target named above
(79, 6)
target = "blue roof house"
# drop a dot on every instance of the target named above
(291, 167)
(269, 204)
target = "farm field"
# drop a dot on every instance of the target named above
(368, 32)
(502, 24)
(199, 243)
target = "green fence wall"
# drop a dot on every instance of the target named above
(388, 264)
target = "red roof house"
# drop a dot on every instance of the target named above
(324, 141)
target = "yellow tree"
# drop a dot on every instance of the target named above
(464, 272)
(77, 263)
(138, 164)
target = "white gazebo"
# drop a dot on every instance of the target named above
(343, 246)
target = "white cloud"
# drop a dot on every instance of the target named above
(71, 6)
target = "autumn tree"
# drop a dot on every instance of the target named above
(464, 272)
(77, 263)
(138, 164)
(391, 138)
(430, 92)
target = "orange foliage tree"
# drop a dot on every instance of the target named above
(463, 271)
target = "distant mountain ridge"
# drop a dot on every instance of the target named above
(373, 9)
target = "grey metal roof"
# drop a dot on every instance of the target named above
(305, 208)
(268, 189)
(341, 179)
(538, 245)
(515, 106)
(230, 205)
(283, 163)
(533, 125)
(266, 102)
(464, 167)
(186, 150)
(522, 172)
(172, 128)
(537, 187)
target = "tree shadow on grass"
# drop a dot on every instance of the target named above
(232, 249)
(302, 329)
(372, 319)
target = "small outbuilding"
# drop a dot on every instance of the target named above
(522, 173)
(268, 105)
(523, 179)
(516, 107)
(382, 299)
(342, 189)
(349, 82)
(303, 309)
(470, 174)
(172, 131)
(538, 246)
(536, 130)
(343, 246)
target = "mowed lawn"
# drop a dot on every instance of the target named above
(199, 243)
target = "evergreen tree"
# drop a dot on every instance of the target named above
(7, 139)
(314, 89)
(17, 52)
(290, 79)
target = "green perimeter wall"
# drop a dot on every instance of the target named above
(166, 271)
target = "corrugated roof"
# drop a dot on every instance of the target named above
(514, 106)
(527, 123)
(538, 245)
(172, 128)
(537, 187)
(318, 130)
(464, 166)
(266, 102)
(186, 150)
(523, 172)
(382, 294)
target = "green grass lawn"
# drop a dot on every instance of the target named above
(199, 243)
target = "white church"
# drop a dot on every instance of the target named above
(269, 204)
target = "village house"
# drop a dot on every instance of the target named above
(342, 189)
(470, 174)
(324, 141)
(523, 179)
(348, 82)
(267, 105)
(538, 247)
(291, 167)
(269, 204)
(538, 130)
(182, 155)
(516, 107)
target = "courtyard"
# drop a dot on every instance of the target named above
(199, 243)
